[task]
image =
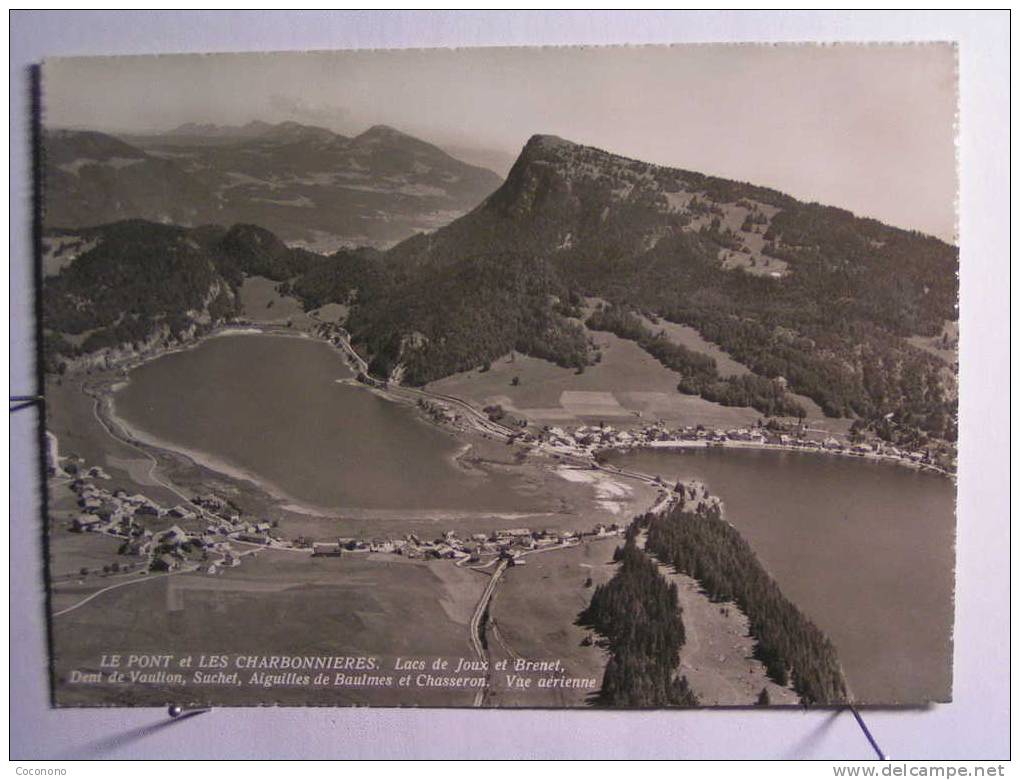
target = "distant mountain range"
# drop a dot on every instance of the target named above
(309, 185)
(809, 297)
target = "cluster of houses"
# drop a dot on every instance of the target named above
(155, 533)
(137, 520)
(507, 543)
(588, 440)
(438, 411)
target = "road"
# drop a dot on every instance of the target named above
(140, 579)
(476, 624)
(479, 419)
(127, 442)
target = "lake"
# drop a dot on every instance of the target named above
(271, 406)
(866, 550)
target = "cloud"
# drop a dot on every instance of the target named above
(299, 109)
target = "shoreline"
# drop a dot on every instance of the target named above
(104, 389)
(286, 502)
(750, 445)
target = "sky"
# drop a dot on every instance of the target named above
(870, 128)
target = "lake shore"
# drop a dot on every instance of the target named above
(541, 461)
(476, 456)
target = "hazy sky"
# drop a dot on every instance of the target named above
(869, 128)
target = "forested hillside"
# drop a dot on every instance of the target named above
(812, 299)
(699, 373)
(639, 615)
(806, 294)
(697, 541)
(134, 281)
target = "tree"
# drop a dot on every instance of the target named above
(764, 700)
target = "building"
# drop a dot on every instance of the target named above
(327, 550)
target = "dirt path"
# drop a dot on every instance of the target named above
(136, 581)
(718, 655)
(718, 652)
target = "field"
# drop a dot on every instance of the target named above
(536, 606)
(276, 603)
(263, 304)
(689, 337)
(69, 552)
(535, 610)
(70, 417)
(717, 656)
(628, 388)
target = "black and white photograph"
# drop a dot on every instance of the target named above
(562, 377)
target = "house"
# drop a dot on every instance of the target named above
(327, 550)
(174, 535)
(164, 562)
(136, 548)
(85, 522)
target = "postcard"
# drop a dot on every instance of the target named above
(511, 377)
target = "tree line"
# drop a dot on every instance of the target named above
(638, 613)
(699, 375)
(697, 541)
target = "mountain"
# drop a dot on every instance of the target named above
(309, 185)
(132, 287)
(809, 297)
(92, 178)
(812, 299)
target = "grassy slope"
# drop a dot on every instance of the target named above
(277, 603)
(643, 388)
(535, 609)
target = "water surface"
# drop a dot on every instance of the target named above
(864, 549)
(271, 406)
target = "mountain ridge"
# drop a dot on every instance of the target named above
(812, 299)
(308, 184)
(808, 296)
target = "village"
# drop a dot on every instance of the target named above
(210, 534)
(593, 441)
(588, 441)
